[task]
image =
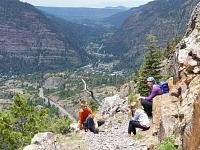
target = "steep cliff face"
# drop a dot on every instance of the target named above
(29, 40)
(162, 18)
(178, 113)
(187, 58)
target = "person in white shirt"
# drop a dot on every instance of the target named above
(139, 119)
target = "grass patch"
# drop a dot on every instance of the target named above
(167, 144)
(75, 136)
(137, 137)
(132, 98)
(73, 140)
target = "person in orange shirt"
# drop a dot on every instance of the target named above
(88, 119)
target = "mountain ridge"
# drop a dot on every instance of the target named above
(163, 18)
(81, 15)
(29, 40)
(119, 18)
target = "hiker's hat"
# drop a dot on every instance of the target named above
(151, 79)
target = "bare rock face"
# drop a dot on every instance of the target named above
(46, 140)
(187, 129)
(164, 115)
(186, 57)
(178, 113)
(53, 82)
(128, 88)
(112, 105)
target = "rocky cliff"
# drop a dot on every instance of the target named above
(178, 113)
(29, 41)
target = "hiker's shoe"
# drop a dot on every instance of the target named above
(145, 129)
(96, 131)
(86, 130)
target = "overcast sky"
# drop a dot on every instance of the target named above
(86, 3)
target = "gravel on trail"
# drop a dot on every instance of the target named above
(112, 137)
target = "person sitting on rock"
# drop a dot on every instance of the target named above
(88, 119)
(147, 101)
(138, 119)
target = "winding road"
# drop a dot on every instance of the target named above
(61, 109)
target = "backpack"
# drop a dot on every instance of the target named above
(164, 87)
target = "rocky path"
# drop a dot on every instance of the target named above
(112, 136)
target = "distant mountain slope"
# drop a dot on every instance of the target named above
(162, 18)
(119, 18)
(82, 15)
(30, 42)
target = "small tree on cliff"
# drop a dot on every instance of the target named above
(171, 46)
(151, 65)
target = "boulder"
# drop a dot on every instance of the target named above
(44, 141)
(178, 114)
(164, 115)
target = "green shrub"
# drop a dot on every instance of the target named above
(167, 144)
(20, 123)
(132, 98)
(60, 125)
(93, 105)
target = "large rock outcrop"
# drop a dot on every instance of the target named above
(44, 141)
(178, 112)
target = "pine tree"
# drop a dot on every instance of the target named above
(176, 39)
(20, 123)
(167, 49)
(142, 82)
(171, 46)
(93, 104)
(151, 65)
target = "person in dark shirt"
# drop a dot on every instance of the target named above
(147, 101)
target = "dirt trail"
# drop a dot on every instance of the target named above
(112, 136)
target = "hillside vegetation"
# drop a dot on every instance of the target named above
(65, 89)
(161, 18)
(29, 41)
